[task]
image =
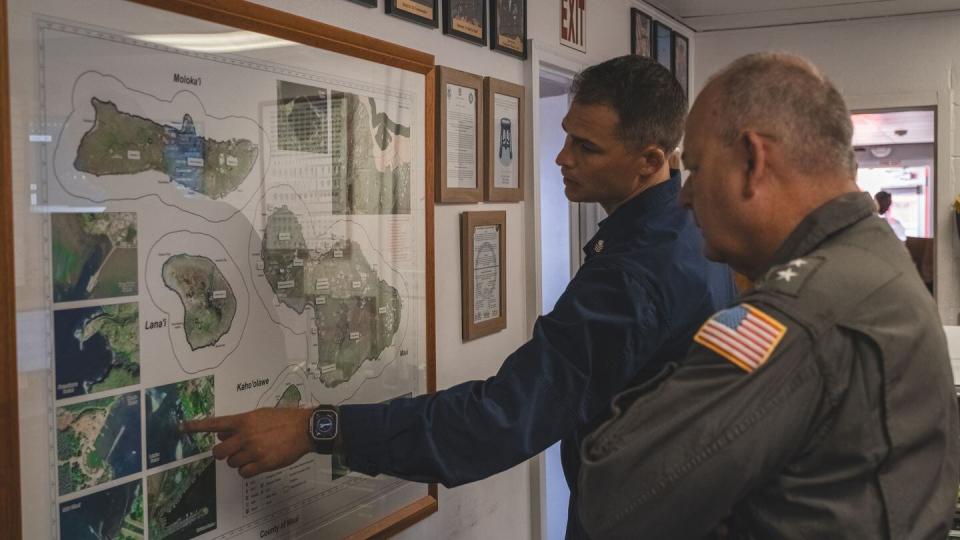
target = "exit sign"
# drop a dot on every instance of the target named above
(572, 23)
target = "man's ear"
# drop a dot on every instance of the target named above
(651, 160)
(757, 158)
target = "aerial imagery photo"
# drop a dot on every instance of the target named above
(112, 514)
(97, 349)
(182, 501)
(98, 441)
(94, 255)
(168, 406)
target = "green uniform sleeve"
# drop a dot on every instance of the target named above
(682, 449)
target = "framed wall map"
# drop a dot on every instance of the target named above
(196, 224)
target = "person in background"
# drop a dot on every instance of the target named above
(884, 200)
(822, 405)
(636, 302)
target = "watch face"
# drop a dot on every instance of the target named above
(324, 425)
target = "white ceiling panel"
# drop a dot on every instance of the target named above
(711, 15)
(902, 127)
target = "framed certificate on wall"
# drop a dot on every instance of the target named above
(221, 207)
(483, 244)
(504, 128)
(460, 152)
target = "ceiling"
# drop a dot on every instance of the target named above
(872, 129)
(713, 15)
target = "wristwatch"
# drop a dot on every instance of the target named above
(324, 427)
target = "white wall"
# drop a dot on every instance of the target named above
(896, 62)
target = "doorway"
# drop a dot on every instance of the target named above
(896, 164)
(559, 256)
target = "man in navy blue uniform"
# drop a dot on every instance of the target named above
(634, 305)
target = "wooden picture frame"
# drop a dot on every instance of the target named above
(641, 33)
(483, 273)
(680, 61)
(508, 27)
(663, 45)
(241, 15)
(423, 12)
(461, 94)
(504, 128)
(466, 19)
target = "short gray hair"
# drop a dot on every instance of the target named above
(786, 96)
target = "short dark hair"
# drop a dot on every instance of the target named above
(649, 100)
(884, 200)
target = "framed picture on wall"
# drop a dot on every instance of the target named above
(663, 44)
(508, 27)
(460, 146)
(368, 3)
(641, 33)
(483, 245)
(681, 61)
(418, 11)
(504, 133)
(466, 19)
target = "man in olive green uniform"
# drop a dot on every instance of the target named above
(820, 406)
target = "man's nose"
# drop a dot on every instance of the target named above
(563, 157)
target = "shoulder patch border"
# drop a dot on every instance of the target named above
(742, 334)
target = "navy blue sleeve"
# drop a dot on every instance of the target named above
(604, 327)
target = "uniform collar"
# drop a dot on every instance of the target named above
(827, 220)
(634, 212)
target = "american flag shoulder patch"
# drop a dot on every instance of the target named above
(743, 335)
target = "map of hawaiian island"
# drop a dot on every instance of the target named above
(355, 313)
(97, 348)
(98, 441)
(94, 255)
(209, 304)
(114, 513)
(291, 397)
(182, 502)
(124, 143)
(169, 405)
(361, 185)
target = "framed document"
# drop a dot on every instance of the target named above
(663, 44)
(508, 27)
(419, 11)
(459, 162)
(200, 227)
(681, 61)
(483, 239)
(504, 128)
(641, 33)
(466, 19)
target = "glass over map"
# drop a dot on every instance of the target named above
(208, 231)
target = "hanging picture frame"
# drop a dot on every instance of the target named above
(460, 148)
(419, 11)
(508, 27)
(663, 44)
(641, 33)
(466, 19)
(367, 3)
(681, 61)
(483, 244)
(504, 128)
(103, 71)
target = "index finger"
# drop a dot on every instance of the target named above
(216, 424)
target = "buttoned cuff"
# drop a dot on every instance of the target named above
(363, 428)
